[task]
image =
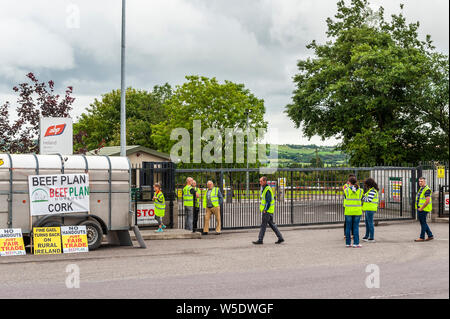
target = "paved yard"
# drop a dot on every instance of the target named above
(311, 264)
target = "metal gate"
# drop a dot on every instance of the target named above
(304, 196)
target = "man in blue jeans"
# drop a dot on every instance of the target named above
(424, 206)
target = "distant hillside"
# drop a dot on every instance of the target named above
(304, 154)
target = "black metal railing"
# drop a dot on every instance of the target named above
(304, 196)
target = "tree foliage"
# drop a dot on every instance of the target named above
(216, 105)
(377, 86)
(36, 99)
(100, 125)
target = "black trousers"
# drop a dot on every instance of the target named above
(268, 219)
(195, 219)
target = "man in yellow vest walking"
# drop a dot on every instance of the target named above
(424, 206)
(267, 208)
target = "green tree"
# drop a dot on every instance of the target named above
(376, 86)
(100, 125)
(216, 105)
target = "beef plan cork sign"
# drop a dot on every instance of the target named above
(58, 194)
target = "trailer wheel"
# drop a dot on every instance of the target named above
(94, 233)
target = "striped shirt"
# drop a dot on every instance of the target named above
(369, 198)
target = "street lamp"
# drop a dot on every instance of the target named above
(247, 113)
(123, 127)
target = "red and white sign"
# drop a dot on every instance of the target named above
(146, 214)
(55, 130)
(446, 202)
(56, 135)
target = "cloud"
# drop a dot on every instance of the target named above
(255, 42)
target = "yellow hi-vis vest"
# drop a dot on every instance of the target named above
(352, 202)
(344, 188)
(420, 201)
(197, 199)
(373, 206)
(188, 198)
(262, 206)
(160, 205)
(214, 197)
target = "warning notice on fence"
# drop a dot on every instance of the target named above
(11, 242)
(58, 194)
(47, 240)
(74, 239)
(146, 215)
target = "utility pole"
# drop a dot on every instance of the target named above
(247, 112)
(123, 109)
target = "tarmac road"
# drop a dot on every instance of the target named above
(311, 264)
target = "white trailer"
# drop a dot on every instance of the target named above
(110, 212)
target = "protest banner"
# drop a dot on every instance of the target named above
(58, 194)
(74, 239)
(47, 240)
(11, 242)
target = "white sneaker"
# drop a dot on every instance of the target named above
(348, 246)
(357, 246)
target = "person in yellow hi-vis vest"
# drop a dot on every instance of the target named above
(196, 206)
(160, 206)
(424, 206)
(189, 194)
(353, 212)
(343, 189)
(267, 208)
(211, 202)
(370, 207)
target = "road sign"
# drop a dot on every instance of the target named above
(441, 171)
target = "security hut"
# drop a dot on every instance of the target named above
(29, 185)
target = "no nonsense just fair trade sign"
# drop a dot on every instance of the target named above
(58, 194)
(74, 239)
(47, 240)
(11, 242)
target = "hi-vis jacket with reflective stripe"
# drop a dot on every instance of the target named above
(352, 201)
(197, 199)
(160, 205)
(420, 201)
(214, 198)
(188, 198)
(262, 206)
(373, 205)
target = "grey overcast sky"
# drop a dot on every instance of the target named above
(254, 42)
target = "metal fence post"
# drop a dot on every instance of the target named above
(413, 193)
(292, 197)
(222, 206)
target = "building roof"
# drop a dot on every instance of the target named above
(131, 149)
